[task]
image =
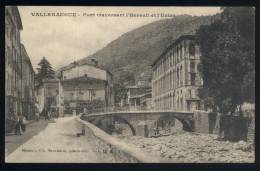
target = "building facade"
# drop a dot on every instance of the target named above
(176, 79)
(136, 98)
(28, 96)
(13, 62)
(47, 95)
(85, 87)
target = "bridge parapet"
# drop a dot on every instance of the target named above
(105, 144)
(196, 121)
(150, 117)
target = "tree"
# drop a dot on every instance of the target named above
(227, 62)
(125, 78)
(45, 71)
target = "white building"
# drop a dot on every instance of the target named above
(176, 79)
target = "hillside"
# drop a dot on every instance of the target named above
(135, 51)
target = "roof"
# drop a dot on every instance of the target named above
(131, 87)
(182, 37)
(20, 25)
(83, 79)
(15, 12)
(81, 63)
(136, 87)
(53, 80)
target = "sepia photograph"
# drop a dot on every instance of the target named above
(129, 84)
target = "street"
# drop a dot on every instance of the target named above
(12, 142)
(57, 143)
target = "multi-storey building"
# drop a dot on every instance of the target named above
(84, 85)
(76, 87)
(176, 78)
(28, 98)
(13, 62)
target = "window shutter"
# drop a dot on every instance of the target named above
(188, 64)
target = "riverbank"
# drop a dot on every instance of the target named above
(187, 147)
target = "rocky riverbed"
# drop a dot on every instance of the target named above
(186, 147)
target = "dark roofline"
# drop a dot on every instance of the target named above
(89, 79)
(71, 65)
(53, 80)
(182, 37)
(17, 16)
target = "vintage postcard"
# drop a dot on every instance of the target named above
(104, 84)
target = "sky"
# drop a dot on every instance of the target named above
(62, 40)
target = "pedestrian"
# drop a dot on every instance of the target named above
(22, 122)
(247, 117)
(220, 126)
(37, 112)
(156, 130)
(17, 124)
(49, 114)
(217, 121)
(46, 114)
(37, 116)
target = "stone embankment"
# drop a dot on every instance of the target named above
(186, 147)
(107, 146)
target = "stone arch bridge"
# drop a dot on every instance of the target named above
(192, 121)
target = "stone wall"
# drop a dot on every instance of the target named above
(108, 146)
(236, 128)
(204, 122)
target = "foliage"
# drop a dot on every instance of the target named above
(45, 71)
(125, 78)
(227, 62)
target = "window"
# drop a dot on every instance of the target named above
(170, 79)
(178, 75)
(192, 49)
(81, 95)
(192, 78)
(181, 52)
(178, 54)
(193, 93)
(13, 56)
(7, 30)
(92, 94)
(192, 66)
(181, 76)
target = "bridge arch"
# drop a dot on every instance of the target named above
(98, 120)
(119, 119)
(187, 124)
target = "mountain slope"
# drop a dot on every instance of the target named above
(135, 51)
